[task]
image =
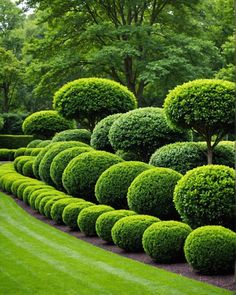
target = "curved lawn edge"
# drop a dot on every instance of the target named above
(37, 258)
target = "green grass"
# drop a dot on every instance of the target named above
(36, 258)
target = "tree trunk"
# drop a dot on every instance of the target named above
(209, 151)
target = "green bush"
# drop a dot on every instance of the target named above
(82, 135)
(45, 124)
(151, 193)
(112, 185)
(128, 156)
(6, 154)
(184, 156)
(81, 174)
(45, 164)
(14, 141)
(1, 123)
(59, 206)
(27, 169)
(36, 151)
(88, 216)
(60, 162)
(13, 123)
(92, 99)
(107, 220)
(20, 152)
(71, 212)
(43, 194)
(49, 201)
(30, 189)
(164, 241)
(34, 143)
(127, 232)
(44, 143)
(33, 196)
(23, 186)
(8, 180)
(206, 195)
(21, 161)
(28, 151)
(211, 250)
(142, 131)
(17, 183)
(99, 138)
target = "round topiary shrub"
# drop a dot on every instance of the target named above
(206, 195)
(19, 152)
(71, 212)
(106, 221)
(34, 143)
(33, 196)
(151, 193)
(46, 123)
(88, 216)
(99, 138)
(17, 183)
(52, 200)
(23, 186)
(142, 131)
(27, 169)
(82, 135)
(60, 162)
(127, 232)
(92, 99)
(9, 180)
(21, 163)
(36, 151)
(45, 164)
(38, 160)
(164, 241)
(211, 250)
(128, 156)
(30, 189)
(43, 194)
(44, 143)
(112, 185)
(18, 159)
(59, 206)
(81, 174)
(7, 154)
(28, 151)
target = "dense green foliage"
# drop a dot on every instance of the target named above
(20, 161)
(49, 201)
(34, 143)
(151, 193)
(27, 169)
(48, 206)
(99, 138)
(88, 216)
(19, 152)
(35, 151)
(206, 195)
(7, 154)
(107, 220)
(44, 143)
(45, 124)
(142, 131)
(82, 135)
(127, 232)
(164, 241)
(61, 160)
(12, 123)
(43, 193)
(211, 250)
(14, 141)
(32, 188)
(92, 99)
(34, 195)
(112, 186)
(81, 174)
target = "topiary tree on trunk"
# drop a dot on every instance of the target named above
(206, 106)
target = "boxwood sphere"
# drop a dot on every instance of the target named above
(112, 185)
(164, 241)
(206, 195)
(43, 194)
(27, 169)
(19, 152)
(46, 124)
(211, 250)
(30, 189)
(99, 138)
(60, 162)
(82, 135)
(44, 143)
(45, 164)
(143, 131)
(81, 174)
(151, 193)
(127, 232)
(71, 212)
(36, 151)
(34, 143)
(33, 196)
(38, 160)
(23, 186)
(21, 163)
(17, 183)
(28, 151)
(93, 99)
(58, 207)
(88, 216)
(47, 202)
(106, 221)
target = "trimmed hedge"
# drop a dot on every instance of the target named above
(7, 154)
(46, 123)
(27, 169)
(49, 201)
(206, 195)
(8, 180)
(59, 206)
(44, 143)
(71, 212)
(43, 194)
(20, 152)
(142, 131)
(60, 162)
(127, 232)
(81, 174)
(17, 183)
(28, 151)
(23, 186)
(34, 143)
(30, 189)
(20, 161)
(107, 220)
(82, 135)
(151, 193)
(88, 216)
(112, 185)
(33, 196)
(211, 250)
(36, 151)
(14, 141)
(99, 138)
(164, 241)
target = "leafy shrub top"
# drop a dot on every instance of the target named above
(82, 135)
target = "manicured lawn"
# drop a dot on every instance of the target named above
(36, 258)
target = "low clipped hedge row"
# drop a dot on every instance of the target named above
(7, 154)
(14, 141)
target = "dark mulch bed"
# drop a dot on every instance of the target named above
(223, 281)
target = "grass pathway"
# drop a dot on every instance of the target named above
(38, 259)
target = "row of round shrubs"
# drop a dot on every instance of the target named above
(208, 249)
